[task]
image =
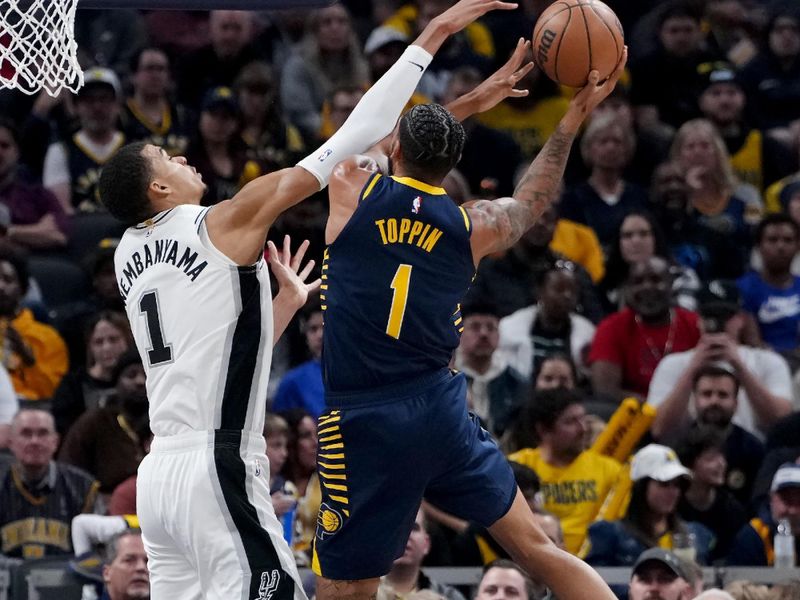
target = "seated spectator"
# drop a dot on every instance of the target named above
(283, 492)
(533, 333)
(575, 481)
(658, 573)
(772, 296)
(664, 82)
(495, 388)
(753, 545)
(770, 79)
(149, 115)
(629, 344)
(639, 237)
(218, 63)
(107, 338)
(9, 405)
(504, 579)
(600, 202)
(669, 202)
(707, 500)
(109, 442)
(301, 469)
(757, 158)
(765, 388)
(489, 174)
(34, 353)
(271, 140)
(72, 166)
(406, 576)
(218, 152)
(510, 281)
(721, 211)
(329, 55)
(337, 107)
(531, 119)
(125, 573)
(782, 445)
(471, 47)
(39, 496)
(651, 520)
(37, 220)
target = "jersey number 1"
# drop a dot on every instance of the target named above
(400, 285)
(159, 352)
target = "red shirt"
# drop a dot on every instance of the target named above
(637, 347)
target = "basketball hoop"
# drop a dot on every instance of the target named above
(37, 46)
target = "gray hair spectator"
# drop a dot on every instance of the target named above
(125, 571)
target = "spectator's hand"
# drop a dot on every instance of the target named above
(458, 16)
(282, 503)
(500, 85)
(19, 347)
(286, 268)
(721, 346)
(595, 91)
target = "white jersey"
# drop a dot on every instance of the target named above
(203, 325)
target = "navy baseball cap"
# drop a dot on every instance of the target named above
(220, 97)
(666, 558)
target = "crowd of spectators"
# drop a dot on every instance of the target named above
(664, 281)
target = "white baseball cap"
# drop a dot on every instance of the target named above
(381, 36)
(657, 462)
(102, 76)
(787, 476)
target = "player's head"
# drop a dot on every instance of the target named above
(141, 180)
(428, 143)
(125, 571)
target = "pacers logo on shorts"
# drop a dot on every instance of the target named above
(329, 521)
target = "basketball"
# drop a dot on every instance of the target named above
(573, 37)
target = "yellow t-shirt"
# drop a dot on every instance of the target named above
(531, 127)
(579, 243)
(574, 493)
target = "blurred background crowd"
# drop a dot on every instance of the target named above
(636, 353)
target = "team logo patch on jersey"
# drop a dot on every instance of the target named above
(416, 205)
(269, 583)
(329, 521)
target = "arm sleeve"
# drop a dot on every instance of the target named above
(373, 118)
(56, 169)
(9, 405)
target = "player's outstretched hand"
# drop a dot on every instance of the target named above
(501, 84)
(286, 268)
(461, 14)
(594, 92)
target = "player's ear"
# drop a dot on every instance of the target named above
(158, 190)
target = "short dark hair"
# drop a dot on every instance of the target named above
(525, 477)
(123, 184)
(479, 306)
(697, 441)
(136, 57)
(20, 263)
(111, 548)
(504, 563)
(431, 141)
(776, 219)
(547, 405)
(678, 8)
(712, 370)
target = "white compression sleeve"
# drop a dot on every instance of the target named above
(373, 118)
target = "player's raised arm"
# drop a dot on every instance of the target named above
(238, 226)
(498, 224)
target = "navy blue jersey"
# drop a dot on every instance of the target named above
(392, 283)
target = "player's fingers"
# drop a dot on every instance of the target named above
(297, 259)
(497, 5)
(517, 56)
(286, 258)
(303, 275)
(515, 93)
(594, 78)
(314, 285)
(524, 70)
(274, 255)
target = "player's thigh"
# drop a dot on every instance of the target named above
(330, 589)
(172, 575)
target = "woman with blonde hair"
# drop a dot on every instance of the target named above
(329, 56)
(721, 211)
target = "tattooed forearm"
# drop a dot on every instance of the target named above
(538, 188)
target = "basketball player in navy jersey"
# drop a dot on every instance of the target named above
(400, 257)
(197, 295)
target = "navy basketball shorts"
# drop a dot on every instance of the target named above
(381, 452)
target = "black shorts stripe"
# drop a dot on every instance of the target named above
(244, 352)
(262, 558)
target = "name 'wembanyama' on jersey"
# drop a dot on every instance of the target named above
(392, 283)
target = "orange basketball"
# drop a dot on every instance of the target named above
(573, 37)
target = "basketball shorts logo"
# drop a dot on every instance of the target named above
(269, 583)
(329, 521)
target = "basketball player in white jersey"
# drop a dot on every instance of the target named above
(197, 294)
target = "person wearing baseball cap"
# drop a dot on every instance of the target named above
(753, 545)
(72, 166)
(651, 520)
(658, 573)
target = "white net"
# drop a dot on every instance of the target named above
(37, 46)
